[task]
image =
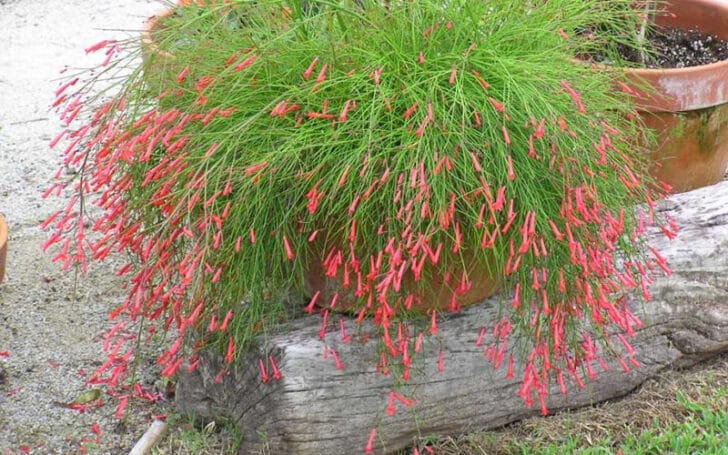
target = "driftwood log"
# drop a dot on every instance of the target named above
(315, 408)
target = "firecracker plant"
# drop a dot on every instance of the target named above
(393, 145)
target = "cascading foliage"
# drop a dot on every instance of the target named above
(399, 149)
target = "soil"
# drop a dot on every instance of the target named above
(676, 48)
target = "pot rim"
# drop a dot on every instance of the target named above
(149, 47)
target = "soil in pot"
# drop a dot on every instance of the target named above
(670, 47)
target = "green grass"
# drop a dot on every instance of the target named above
(188, 438)
(704, 431)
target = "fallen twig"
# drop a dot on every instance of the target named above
(157, 430)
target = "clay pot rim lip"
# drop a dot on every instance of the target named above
(686, 71)
(663, 102)
(3, 232)
(147, 28)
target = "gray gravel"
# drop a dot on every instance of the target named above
(49, 331)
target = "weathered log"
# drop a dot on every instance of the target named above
(315, 408)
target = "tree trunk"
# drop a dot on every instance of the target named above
(315, 408)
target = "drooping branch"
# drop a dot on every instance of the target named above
(315, 408)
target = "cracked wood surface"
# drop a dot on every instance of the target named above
(316, 409)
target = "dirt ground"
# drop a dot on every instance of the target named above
(51, 335)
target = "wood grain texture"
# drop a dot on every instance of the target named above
(315, 408)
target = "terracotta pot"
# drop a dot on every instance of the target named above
(3, 247)
(688, 107)
(437, 294)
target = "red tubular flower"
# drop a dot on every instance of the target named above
(121, 407)
(498, 106)
(574, 96)
(350, 104)
(226, 321)
(324, 320)
(376, 75)
(230, 351)
(57, 139)
(342, 330)
(183, 74)
(418, 342)
(408, 113)
(433, 323)
(480, 79)
(307, 74)
(213, 324)
(421, 128)
(263, 373)
(476, 117)
(322, 74)
(516, 302)
(370, 442)
(287, 246)
(453, 74)
(509, 160)
(245, 63)
(312, 302)
(335, 298)
(99, 45)
(405, 401)
(390, 406)
(626, 88)
(63, 87)
(255, 168)
(337, 362)
(276, 372)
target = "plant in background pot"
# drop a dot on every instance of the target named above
(396, 162)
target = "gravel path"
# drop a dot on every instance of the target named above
(50, 330)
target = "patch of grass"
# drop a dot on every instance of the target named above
(189, 438)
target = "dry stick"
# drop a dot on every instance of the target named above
(153, 435)
(642, 32)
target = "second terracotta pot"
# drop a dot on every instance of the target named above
(687, 108)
